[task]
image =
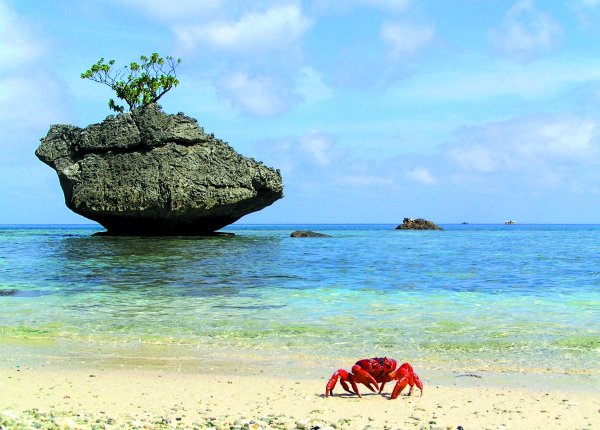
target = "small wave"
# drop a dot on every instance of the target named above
(249, 307)
(474, 346)
(29, 332)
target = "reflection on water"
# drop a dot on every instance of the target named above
(482, 296)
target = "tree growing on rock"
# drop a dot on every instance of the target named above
(138, 84)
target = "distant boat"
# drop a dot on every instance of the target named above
(464, 223)
(510, 222)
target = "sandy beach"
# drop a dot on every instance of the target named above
(130, 398)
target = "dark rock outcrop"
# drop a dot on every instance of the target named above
(8, 292)
(417, 224)
(149, 173)
(307, 233)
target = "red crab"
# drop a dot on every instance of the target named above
(371, 372)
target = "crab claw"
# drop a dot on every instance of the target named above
(365, 378)
(406, 376)
(344, 377)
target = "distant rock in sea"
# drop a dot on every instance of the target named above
(8, 292)
(417, 224)
(307, 233)
(145, 172)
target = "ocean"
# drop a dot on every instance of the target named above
(501, 298)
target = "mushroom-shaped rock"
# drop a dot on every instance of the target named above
(149, 173)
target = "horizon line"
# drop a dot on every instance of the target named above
(320, 223)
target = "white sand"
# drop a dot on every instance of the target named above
(122, 393)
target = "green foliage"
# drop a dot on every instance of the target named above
(138, 84)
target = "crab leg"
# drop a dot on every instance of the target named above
(418, 383)
(411, 380)
(344, 377)
(399, 387)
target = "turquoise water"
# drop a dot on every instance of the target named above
(506, 298)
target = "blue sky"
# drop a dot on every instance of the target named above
(373, 110)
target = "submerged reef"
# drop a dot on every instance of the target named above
(146, 172)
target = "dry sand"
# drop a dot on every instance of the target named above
(137, 398)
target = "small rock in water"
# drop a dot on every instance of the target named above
(307, 233)
(8, 292)
(417, 224)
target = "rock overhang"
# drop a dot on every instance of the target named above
(147, 172)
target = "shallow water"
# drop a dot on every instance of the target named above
(496, 297)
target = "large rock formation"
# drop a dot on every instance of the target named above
(417, 224)
(146, 172)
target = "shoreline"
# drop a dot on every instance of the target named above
(82, 397)
(193, 358)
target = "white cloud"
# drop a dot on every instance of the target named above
(251, 50)
(406, 39)
(176, 10)
(310, 86)
(590, 3)
(318, 147)
(387, 5)
(500, 78)
(269, 95)
(420, 174)
(527, 145)
(277, 28)
(255, 56)
(475, 157)
(368, 181)
(257, 96)
(313, 153)
(18, 46)
(30, 101)
(525, 31)
(29, 96)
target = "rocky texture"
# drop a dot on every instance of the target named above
(417, 224)
(307, 233)
(146, 172)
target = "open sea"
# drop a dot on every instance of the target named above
(503, 298)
